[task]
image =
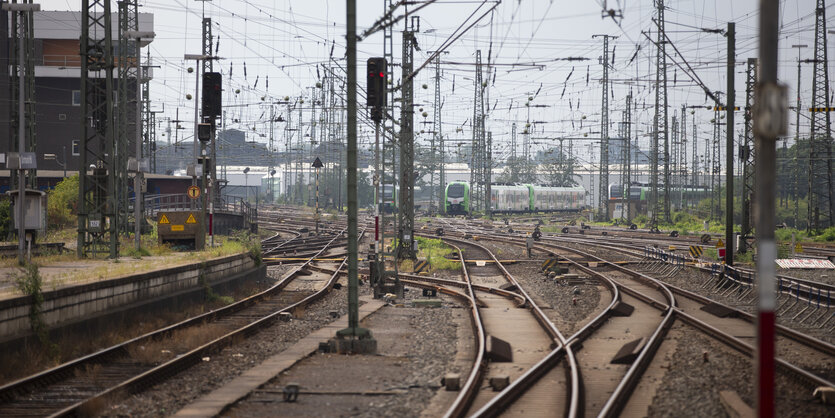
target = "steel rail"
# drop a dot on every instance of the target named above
(575, 407)
(782, 330)
(711, 331)
(27, 384)
(194, 356)
(518, 387)
(620, 396)
(470, 388)
(630, 250)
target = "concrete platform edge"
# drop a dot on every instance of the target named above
(240, 387)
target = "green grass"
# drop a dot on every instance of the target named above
(434, 251)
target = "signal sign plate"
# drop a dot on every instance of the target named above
(193, 192)
(191, 219)
(695, 251)
(163, 219)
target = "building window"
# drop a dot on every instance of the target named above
(75, 147)
(76, 97)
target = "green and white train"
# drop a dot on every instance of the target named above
(525, 198)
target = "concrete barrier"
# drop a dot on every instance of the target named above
(77, 303)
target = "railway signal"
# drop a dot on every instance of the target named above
(376, 88)
(212, 95)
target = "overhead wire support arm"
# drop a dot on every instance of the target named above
(692, 76)
(446, 45)
(380, 24)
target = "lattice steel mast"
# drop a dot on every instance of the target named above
(127, 82)
(821, 211)
(747, 157)
(477, 145)
(660, 131)
(603, 184)
(626, 159)
(438, 153)
(97, 187)
(406, 209)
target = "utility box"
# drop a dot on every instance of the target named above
(181, 229)
(34, 209)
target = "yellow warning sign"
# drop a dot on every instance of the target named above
(163, 219)
(720, 243)
(798, 248)
(178, 227)
(191, 219)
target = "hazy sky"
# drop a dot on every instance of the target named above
(285, 42)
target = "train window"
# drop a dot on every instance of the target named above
(455, 190)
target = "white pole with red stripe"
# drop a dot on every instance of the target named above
(769, 116)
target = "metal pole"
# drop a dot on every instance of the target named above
(21, 147)
(353, 331)
(378, 198)
(204, 195)
(353, 283)
(729, 150)
(195, 150)
(795, 168)
(137, 178)
(317, 201)
(769, 124)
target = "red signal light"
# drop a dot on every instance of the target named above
(382, 74)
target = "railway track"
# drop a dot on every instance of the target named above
(815, 295)
(675, 304)
(83, 385)
(532, 336)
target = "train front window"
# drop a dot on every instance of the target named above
(455, 191)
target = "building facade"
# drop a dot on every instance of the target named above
(57, 94)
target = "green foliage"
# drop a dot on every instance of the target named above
(131, 251)
(251, 243)
(434, 250)
(5, 217)
(29, 283)
(828, 235)
(62, 202)
(211, 295)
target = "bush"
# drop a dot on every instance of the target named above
(828, 235)
(5, 217)
(62, 203)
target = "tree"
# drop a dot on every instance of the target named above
(512, 171)
(62, 203)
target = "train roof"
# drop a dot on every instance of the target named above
(560, 189)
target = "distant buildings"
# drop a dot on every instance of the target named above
(57, 86)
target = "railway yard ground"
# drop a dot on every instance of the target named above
(485, 331)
